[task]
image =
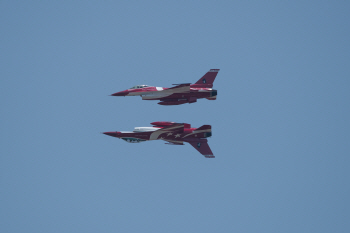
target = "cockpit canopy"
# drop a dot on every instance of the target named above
(139, 86)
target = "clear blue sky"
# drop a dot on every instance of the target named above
(280, 123)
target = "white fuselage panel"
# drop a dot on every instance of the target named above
(145, 129)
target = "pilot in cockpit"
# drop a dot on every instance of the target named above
(139, 86)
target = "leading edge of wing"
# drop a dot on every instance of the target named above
(182, 84)
(180, 88)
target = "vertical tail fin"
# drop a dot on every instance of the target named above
(201, 145)
(208, 79)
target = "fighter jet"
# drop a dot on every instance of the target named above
(180, 94)
(171, 132)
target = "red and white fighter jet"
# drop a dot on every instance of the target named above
(180, 94)
(173, 133)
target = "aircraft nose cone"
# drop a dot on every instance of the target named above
(112, 134)
(120, 93)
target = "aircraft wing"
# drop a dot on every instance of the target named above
(173, 142)
(180, 88)
(175, 128)
(202, 146)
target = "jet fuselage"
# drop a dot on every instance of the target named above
(173, 133)
(180, 94)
